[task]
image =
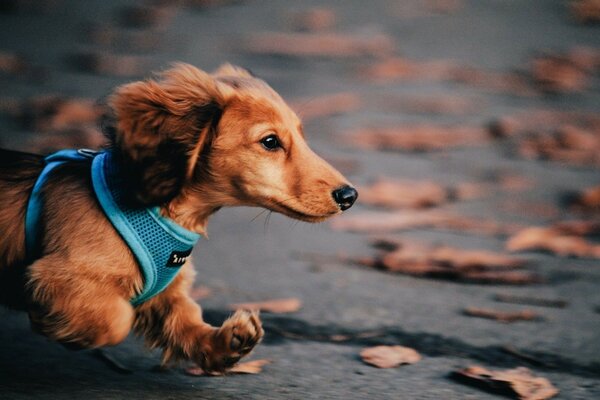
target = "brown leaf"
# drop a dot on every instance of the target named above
(389, 356)
(144, 16)
(566, 137)
(324, 45)
(585, 11)
(200, 292)
(502, 316)
(109, 64)
(443, 262)
(587, 200)
(563, 240)
(377, 222)
(438, 104)
(314, 19)
(249, 367)
(519, 383)
(12, 64)
(403, 194)
(56, 113)
(324, 106)
(398, 68)
(557, 73)
(278, 306)
(418, 138)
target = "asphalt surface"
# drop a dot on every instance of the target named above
(252, 259)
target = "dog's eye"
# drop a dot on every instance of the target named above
(271, 143)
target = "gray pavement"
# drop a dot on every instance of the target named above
(249, 259)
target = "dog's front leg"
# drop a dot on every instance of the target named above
(173, 322)
(73, 305)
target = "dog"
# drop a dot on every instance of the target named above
(188, 142)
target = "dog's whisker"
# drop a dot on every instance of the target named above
(258, 215)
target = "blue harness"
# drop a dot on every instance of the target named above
(159, 245)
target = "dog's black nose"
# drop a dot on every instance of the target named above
(345, 196)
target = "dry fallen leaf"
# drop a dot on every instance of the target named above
(398, 68)
(443, 262)
(323, 106)
(249, 367)
(586, 11)
(389, 356)
(418, 138)
(278, 306)
(200, 292)
(313, 19)
(519, 383)
(378, 222)
(437, 104)
(587, 200)
(561, 239)
(403, 194)
(145, 16)
(109, 64)
(557, 73)
(566, 137)
(324, 45)
(502, 316)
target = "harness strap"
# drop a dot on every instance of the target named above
(35, 204)
(159, 245)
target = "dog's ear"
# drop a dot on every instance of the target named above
(162, 127)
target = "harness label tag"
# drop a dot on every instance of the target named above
(178, 258)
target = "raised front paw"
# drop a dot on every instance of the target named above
(235, 339)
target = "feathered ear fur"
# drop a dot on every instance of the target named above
(162, 126)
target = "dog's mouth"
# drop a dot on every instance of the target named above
(294, 213)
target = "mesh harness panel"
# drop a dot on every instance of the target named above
(159, 245)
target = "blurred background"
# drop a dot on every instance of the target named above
(472, 129)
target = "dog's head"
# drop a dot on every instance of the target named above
(194, 142)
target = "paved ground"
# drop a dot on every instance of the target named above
(250, 260)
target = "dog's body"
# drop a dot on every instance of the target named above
(190, 143)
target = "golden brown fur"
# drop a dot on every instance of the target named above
(191, 143)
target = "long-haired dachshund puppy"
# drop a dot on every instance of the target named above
(182, 146)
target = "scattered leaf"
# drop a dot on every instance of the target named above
(418, 138)
(249, 367)
(389, 356)
(324, 106)
(278, 306)
(108, 64)
(125, 40)
(519, 383)
(313, 19)
(443, 262)
(587, 200)
(438, 104)
(564, 72)
(378, 222)
(563, 239)
(502, 316)
(586, 11)
(200, 292)
(145, 16)
(403, 194)
(325, 45)
(398, 68)
(532, 301)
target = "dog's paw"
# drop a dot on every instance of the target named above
(235, 339)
